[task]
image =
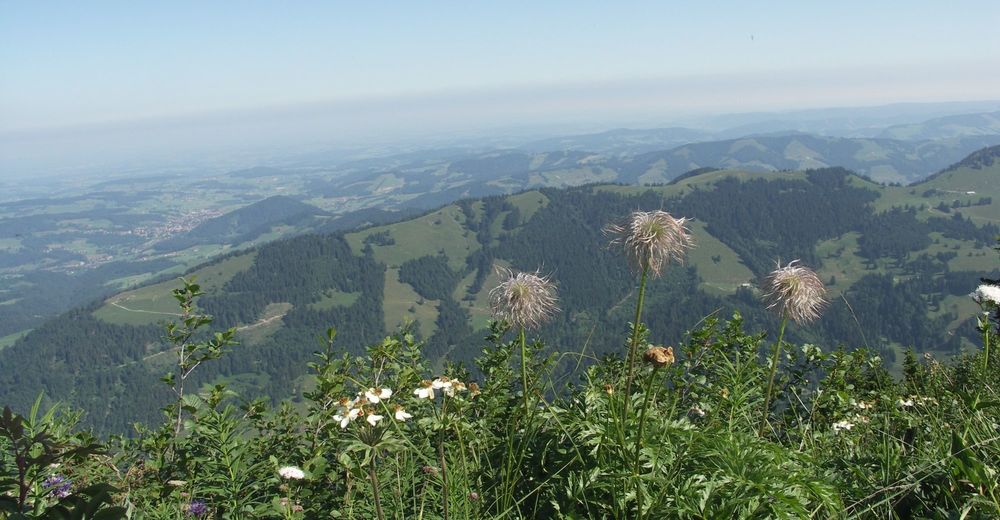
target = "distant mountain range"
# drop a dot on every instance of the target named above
(904, 257)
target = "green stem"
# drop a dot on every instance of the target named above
(375, 490)
(986, 348)
(638, 441)
(444, 476)
(632, 354)
(524, 371)
(774, 370)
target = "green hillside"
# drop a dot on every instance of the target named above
(898, 266)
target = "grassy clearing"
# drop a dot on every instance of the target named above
(719, 266)
(268, 323)
(964, 185)
(400, 303)
(528, 203)
(10, 339)
(154, 303)
(442, 230)
(840, 262)
(479, 311)
(333, 298)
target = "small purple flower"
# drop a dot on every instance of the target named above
(58, 486)
(197, 508)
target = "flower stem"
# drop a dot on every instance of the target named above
(632, 354)
(375, 490)
(638, 441)
(444, 477)
(986, 348)
(774, 370)
(524, 371)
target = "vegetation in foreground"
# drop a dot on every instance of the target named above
(728, 424)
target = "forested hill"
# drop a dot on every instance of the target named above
(244, 224)
(904, 258)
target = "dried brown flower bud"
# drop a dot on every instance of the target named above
(651, 239)
(474, 390)
(523, 299)
(796, 291)
(608, 389)
(659, 357)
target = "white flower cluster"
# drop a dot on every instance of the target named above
(987, 295)
(364, 406)
(842, 425)
(912, 400)
(445, 384)
(291, 473)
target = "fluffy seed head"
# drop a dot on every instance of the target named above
(651, 239)
(523, 299)
(796, 292)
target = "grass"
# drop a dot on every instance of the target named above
(441, 230)
(724, 276)
(332, 298)
(10, 339)
(480, 309)
(528, 203)
(154, 303)
(268, 323)
(400, 302)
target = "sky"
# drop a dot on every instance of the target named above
(72, 69)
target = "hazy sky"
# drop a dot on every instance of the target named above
(65, 64)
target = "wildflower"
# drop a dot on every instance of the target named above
(429, 470)
(608, 389)
(426, 390)
(58, 486)
(659, 357)
(473, 496)
(906, 404)
(796, 291)
(523, 299)
(442, 382)
(863, 405)
(176, 483)
(375, 395)
(346, 416)
(373, 419)
(474, 390)
(401, 414)
(197, 508)
(987, 295)
(696, 413)
(652, 239)
(842, 425)
(291, 473)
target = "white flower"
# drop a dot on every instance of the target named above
(374, 395)
(401, 414)
(907, 403)
(863, 405)
(291, 472)
(842, 425)
(426, 390)
(987, 295)
(346, 416)
(373, 419)
(441, 382)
